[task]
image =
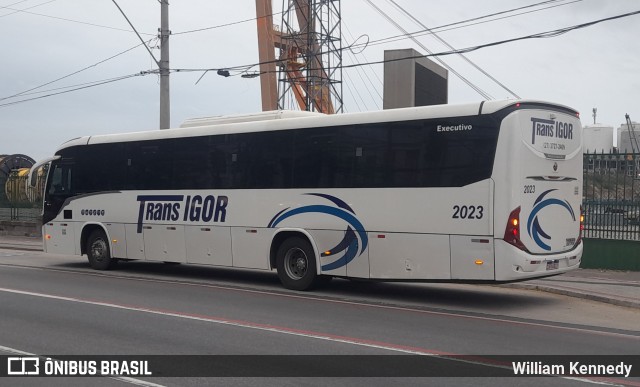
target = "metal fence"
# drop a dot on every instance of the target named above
(611, 196)
(19, 203)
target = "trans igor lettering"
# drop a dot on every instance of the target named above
(170, 208)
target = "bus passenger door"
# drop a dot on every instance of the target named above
(58, 229)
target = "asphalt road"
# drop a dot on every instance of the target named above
(57, 305)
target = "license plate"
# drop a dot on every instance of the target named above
(552, 265)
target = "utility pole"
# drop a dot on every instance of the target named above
(266, 42)
(163, 64)
(165, 103)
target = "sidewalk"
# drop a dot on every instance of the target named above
(20, 243)
(613, 287)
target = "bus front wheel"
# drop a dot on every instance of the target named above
(98, 251)
(296, 264)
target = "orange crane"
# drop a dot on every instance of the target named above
(299, 59)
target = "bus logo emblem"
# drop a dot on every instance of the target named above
(533, 225)
(355, 239)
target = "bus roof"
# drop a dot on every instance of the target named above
(260, 116)
(281, 120)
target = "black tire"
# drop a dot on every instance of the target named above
(98, 251)
(296, 264)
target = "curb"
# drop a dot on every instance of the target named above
(18, 246)
(577, 294)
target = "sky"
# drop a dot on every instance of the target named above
(592, 67)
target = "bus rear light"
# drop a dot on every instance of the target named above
(579, 239)
(47, 236)
(512, 232)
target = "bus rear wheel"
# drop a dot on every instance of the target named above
(296, 264)
(98, 251)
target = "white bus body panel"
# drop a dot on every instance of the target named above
(551, 174)
(418, 230)
(209, 245)
(385, 233)
(472, 257)
(164, 243)
(60, 237)
(116, 234)
(409, 256)
(250, 246)
(539, 170)
(135, 242)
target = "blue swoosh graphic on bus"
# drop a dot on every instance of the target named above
(354, 234)
(533, 225)
(349, 244)
(338, 202)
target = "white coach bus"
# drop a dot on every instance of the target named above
(481, 192)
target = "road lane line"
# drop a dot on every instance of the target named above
(341, 302)
(288, 331)
(238, 323)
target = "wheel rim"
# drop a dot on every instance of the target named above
(99, 250)
(296, 263)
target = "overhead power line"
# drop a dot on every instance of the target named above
(136, 31)
(24, 9)
(280, 13)
(540, 35)
(226, 24)
(28, 91)
(12, 4)
(441, 40)
(62, 18)
(478, 20)
(80, 87)
(547, 34)
(472, 85)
